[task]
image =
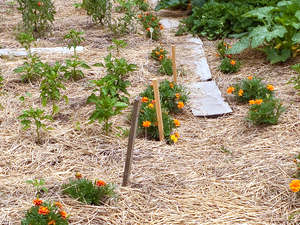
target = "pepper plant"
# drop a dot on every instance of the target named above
(99, 10)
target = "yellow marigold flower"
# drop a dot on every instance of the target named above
(58, 204)
(233, 62)
(174, 138)
(43, 210)
(63, 214)
(37, 202)
(145, 99)
(177, 134)
(156, 53)
(270, 87)
(251, 102)
(100, 183)
(180, 105)
(146, 123)
(161, 50)
(171, 85)
(78, 175)
(177, 123)
(177, 95)
(230, 90)
(241, 92)
(295, 185)
(52, 222)
(151, 106)
(258, 101)
(250, 78)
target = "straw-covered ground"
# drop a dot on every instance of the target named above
(222, 170)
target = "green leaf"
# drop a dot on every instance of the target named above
(258, 35)
(278, 31)
(297, 15)
(240, 46)
(284, 3)
(260, 13)
(98, 64)
(277, 56)
(296, 38)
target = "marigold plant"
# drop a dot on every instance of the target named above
(150, 23)
(295, 185)
(229, 65)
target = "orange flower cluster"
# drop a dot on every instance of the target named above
(37, 202)
(44, 210)
(171, 85)
(100, 183)
(146, 123)
(52, 222)
(270, 87)
(145, 99)
(177, 123)
(59, 205)
(151, 106)
(232, 62)
(230, 90)
(256, 101)
(177, 95)
(250, 78)
(295, 185)
(78, 175)
(241, 92)
(180, 105)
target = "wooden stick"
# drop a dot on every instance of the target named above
(174, 64)
(158, 110)
(132, 135)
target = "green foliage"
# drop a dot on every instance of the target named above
(38, 185)
(52, 215)
(51, 85)
(251, 88)
(279, 36)
(142, 5)
(99, 10)
(267, 112)
(117, 45)
(174, 4)
(25, 39)
(36, 116)
(229, 65)
(37, 15)
(88, 192)
(150, 23)
(296, 80)
(74, 39)
(222, 48)
(166, 67)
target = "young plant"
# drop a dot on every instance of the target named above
(166, 67)
(229, 65)
(51, 85)
(265, 111)
(250, 88)
(45, 213)
(159, 53)
(117, 45)
(99, 10)
(88, 192)
(222, 48)
(35, 116)
(38, 15)
(296, 79)
(142, 5)
(38, 185)
(151, 24)
(31, 70)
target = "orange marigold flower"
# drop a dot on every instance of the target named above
(156, 53)
(140, 16)
(161, 50)
(153, 101)
(58, 204)
(250, 78)
(171, 85)
(241, 92)
(233, 62)
(258, 101)
(217, 54)
(146, 123)
(251, 102)
(78, 175)
(177, 134)
(177, 95)
(145, 99)
(161, 57)
(177, 123)
(270, 87)
(100, 183)
(173, 138)
(151, 106)
(295, 185)
(63, 214)
(161, 27)
(148, 29)
(230, 90)
(153, 18)
(180, 105)
(43, 210)
(37, 202)
(52, 222)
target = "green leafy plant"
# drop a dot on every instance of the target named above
(265, 111)
(35, 116)
(222, 48)
(296, 79)
(166, 67)
(71, 70)
(159, 53)
(279, 36)
(31, 70)
(88, 192)
(117, 45)
(38, 15)
(45, 213)
(99, 10)
(142, 5)
(229, 65)
(39, 186)
(250, 88)
(174, 4)
(51, 85)
(151, 24)
(173, 97)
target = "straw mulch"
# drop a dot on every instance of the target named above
(222, 170)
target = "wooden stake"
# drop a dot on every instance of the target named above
(132, 135)
(174, 64)
(158, 110)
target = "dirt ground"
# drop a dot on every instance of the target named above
(222, 170)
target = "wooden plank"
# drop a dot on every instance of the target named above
(158, 109)
(132, 135)
(174, 64)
